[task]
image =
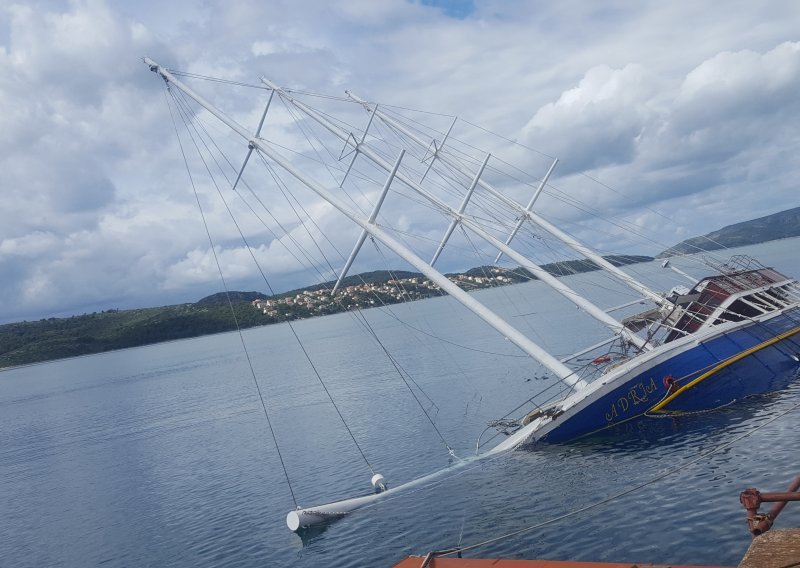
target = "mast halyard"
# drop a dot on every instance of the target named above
(581, 302)
(562, 372)
(524, 212)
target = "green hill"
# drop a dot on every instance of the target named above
(776, 226)
(55, 338)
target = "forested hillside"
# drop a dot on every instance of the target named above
(56, 338)
(776, 226)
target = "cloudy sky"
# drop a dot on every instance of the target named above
(688, 108)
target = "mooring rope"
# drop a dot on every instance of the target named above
(461, 549)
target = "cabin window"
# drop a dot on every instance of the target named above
(738, 311)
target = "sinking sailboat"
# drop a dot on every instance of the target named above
(733, 333)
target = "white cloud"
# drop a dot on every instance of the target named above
(30, 246)
(97, 208)
(599, 122)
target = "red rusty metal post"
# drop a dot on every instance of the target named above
(752, 498)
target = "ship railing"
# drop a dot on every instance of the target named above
(736, 263)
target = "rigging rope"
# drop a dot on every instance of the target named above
(218, 80)
(291, 327)
(563, 196)
(227, 296)
(391, 359)
(411, 124)
(403, 374)
(416, 398)
(394, 362)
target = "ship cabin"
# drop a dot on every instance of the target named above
(732, 297)
(742, 289)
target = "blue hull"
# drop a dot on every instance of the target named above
(756, 358)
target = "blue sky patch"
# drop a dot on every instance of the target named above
(454, 8)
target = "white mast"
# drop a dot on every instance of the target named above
(525, 212)
(573, 296)
(529, 207)
(460, 213)
(563, 372)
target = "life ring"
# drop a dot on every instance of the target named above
(669, 383)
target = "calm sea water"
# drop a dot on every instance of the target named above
(161, 456)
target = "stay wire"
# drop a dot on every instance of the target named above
(299, 124)
(306, 134)
(506, 294)
(453, 343)
(291, 327)
(407, 120)
(287, 233)
(217, 80)
(591, 178)
(227, 296)
(451, 177)
(359, 317)
(419, 402)
(364, 323)
(295, 204)
(284, 190)
(353, 169)
(400, 372)
(450, 450)
(564, 197)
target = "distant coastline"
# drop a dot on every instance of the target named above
(26, 343)
(782, 225)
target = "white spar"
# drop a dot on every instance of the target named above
(307, 517)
